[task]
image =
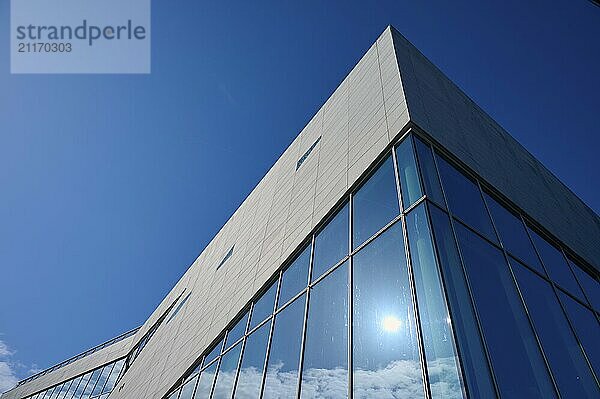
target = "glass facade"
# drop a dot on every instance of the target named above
(97, 383)
(421, 285)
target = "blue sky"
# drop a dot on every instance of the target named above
(111, 185)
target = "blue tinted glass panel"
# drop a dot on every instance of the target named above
(227, 373)
(175, 394)
(520, 371)
(478, 376)
(92, 383)
(407, 171)
(590, 285)
(206, 382)
(216, 351)
(375, 204)
(464, 199)
(237, 331)
(586, 327)
(253, 360)
(331, 244)
(82, 384)
(325, 372)
(263, 308)
(513, 234)
(284, 355)
(188, 389)
(112, 379)
(295, 277)
(101, 380)
(428, 172)
(73, 387)
(386, 360)
(571, 372)
(556, 265)
(442, 360)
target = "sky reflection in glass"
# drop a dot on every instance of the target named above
(386, 359)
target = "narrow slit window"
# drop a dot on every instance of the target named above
(227, 256)
(307, 153)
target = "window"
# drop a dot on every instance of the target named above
(263, 307)
(571, 372)
(556, 265)
(216, 351)
(253, 360)
(586, 327)
(477, 372)
(206, 382)
(325, 370)
(227, 371)
(464, 199)
(295, 277)
(407, 171)
(237, 331)
(307, 153)
(375, 204)
(590, 285)
(442, 361)
(384, 331)
(429, 174)
(513, 234)
(188, 389)
(284, 356)
(331, 244)
(520, 372)
(227, 256)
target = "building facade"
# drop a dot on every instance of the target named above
(403, 246)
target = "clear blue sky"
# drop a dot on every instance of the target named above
(111, 185)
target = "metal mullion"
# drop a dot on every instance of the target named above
(417, 165)
(397, 176)
(466, 278)
(293, 299)
(216, 376)
(329, 271)
(305, 317)
(350, 338)
(447, 302)
(417, 321)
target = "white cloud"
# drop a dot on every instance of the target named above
(8, 378)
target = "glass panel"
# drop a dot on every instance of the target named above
(295, 278)
(174, 394)
(375, 204)
(114, 375)
(325, 371)
(227, 372)
(206, 382)
(386, 359)
(92, 383)
(237, 331)
(428, 172)
(464, 199)
(101, 380)
(442, 360)
(263, 308)
(407, 171)
(590, 285)
(520, 371)
(82, 385)
(73, 387)
(64, 389)
(108, 370)
(55, 391)
(284, 355)
(216, 351)
(253, 360)
(570, 370)
(586, 327)
(556, 265)
(478, 377)
(331, 244)
(188, 389)
(513, 234)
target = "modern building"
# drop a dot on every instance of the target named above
(403, 246)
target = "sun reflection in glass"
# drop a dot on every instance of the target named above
(391, 324)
